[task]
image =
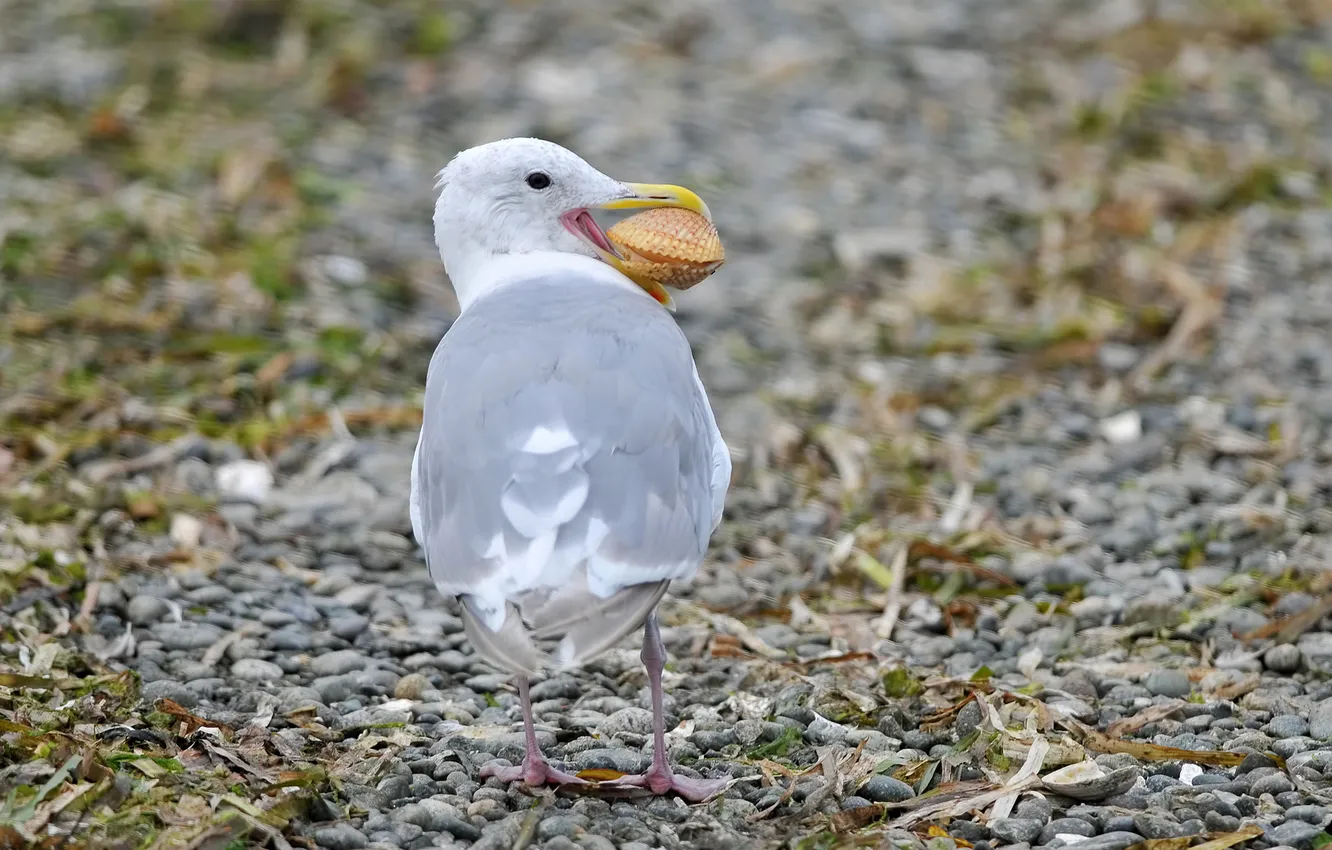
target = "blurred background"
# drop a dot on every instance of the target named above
(1024, 328)
(969, 242)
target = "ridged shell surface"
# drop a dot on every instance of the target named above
(672, 246)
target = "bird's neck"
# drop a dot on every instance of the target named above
(473, 277)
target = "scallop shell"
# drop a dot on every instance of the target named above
(668, 245)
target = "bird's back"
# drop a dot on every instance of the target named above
(569, 466)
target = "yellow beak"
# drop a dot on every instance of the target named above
(660, 195)
(647, 196)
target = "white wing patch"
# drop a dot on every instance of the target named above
(597, 531)
(522, 438)
(526, 569)
(547, 441)
(531, 523)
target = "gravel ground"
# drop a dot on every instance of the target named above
(1021, 348)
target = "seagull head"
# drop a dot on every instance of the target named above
(523, 196)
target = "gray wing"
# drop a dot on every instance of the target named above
(567, 456)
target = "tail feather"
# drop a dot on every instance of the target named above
(585, 624)
(605, 623)
(510, 648)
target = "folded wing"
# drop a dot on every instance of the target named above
(569, 467)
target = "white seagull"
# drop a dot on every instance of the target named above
(569, 464)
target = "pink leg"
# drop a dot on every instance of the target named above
(534, 770)
(660, 778)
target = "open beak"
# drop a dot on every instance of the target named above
(647, 196)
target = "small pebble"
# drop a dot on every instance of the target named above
(256, 670)
(1168, 683)
(340, 836)
(886, 789)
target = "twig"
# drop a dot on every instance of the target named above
(892, 608)
(956, 806)
(1290, 629)
(214, 653)
(960, 503)
(730, 625)
(845, 452)
(1200, 311)
(527, 831)
(170, 453)
(768, 767)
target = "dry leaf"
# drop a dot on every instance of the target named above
(1035, 758)
(1029, 661)
(149, 768)
(1151, 714)
(1235, 690)
(190, 721)
(1100, 742)
(936, 831)
(1220, 841)
(1289, 629)
(600, 774)
(853, 819)
(190, 808)
(239, 762)
(956, 805)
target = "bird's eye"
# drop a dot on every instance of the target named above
(538, 180)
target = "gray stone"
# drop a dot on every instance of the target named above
(187, 635)
(1168, 683)
(210, 596)
(900, 839)
(1296, 833)
(146, 610)
(338, 662)
(1065, 826)
(632, 721)
(1283, 658)
(1156, 825)
(1253, 762)
(1317, 815)
(1015, 830)
(256, 670)
(1320, 721)
(412, 686)
(591, 841)
(822, 731)
(436, 816)
(488, 683)
(342, 836)
(570, 826)
(1274, 784)
(1118, 840)
(333, 689)
(168, 689)
(348, 626)
(1287, 726)
(1220, 823)
(290, 639)
(967, 720)
(886, 789)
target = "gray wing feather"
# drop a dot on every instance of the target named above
(631, 495)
